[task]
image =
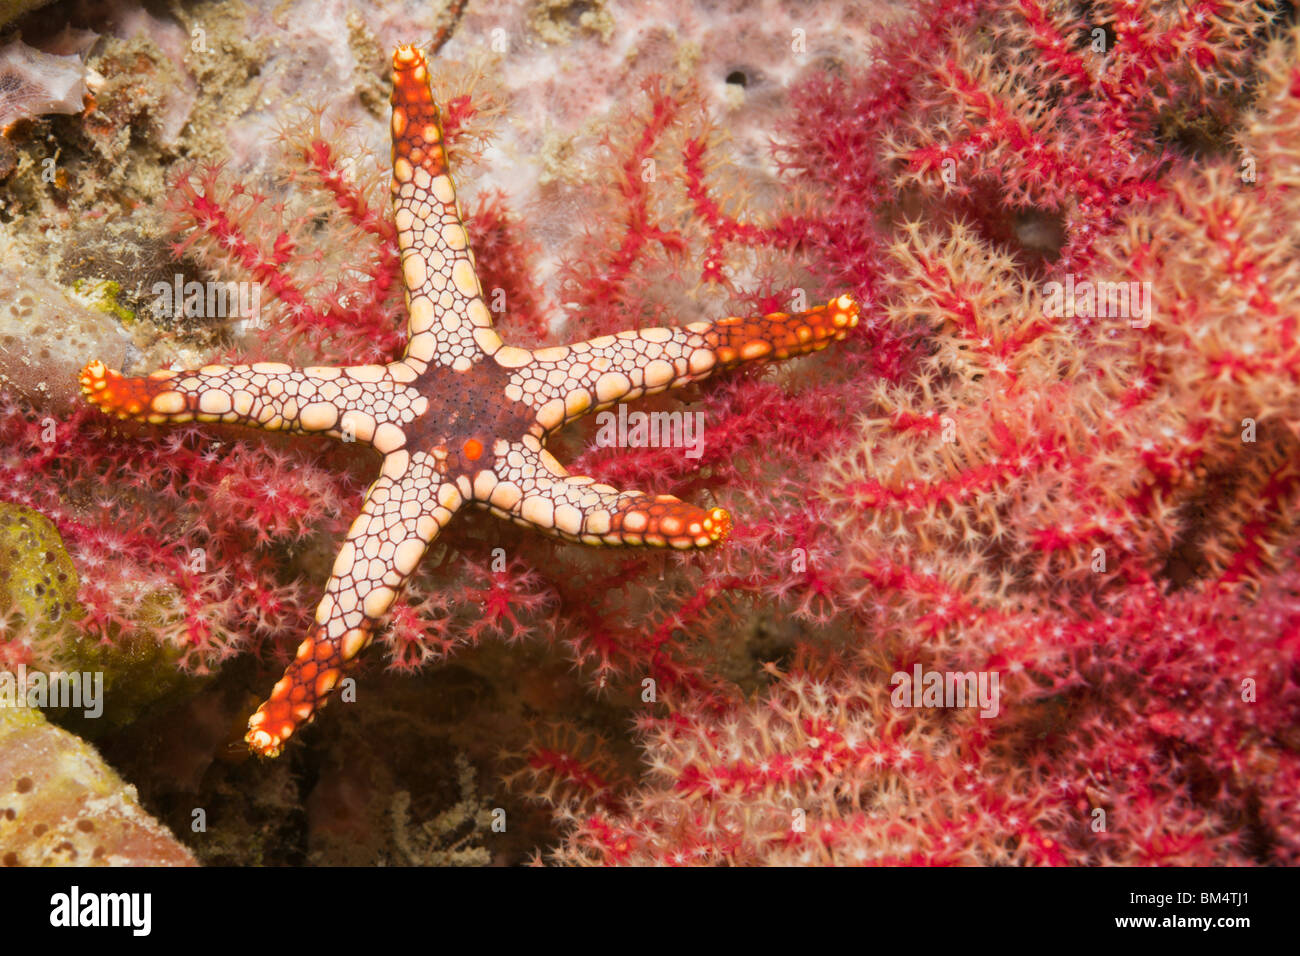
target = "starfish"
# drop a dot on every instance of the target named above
(461, 418)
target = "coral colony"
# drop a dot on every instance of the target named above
(1009, 575)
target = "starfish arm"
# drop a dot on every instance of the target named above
(448, 324)
(527, 485)
(401, 517)
(358, 403)
(565, 382)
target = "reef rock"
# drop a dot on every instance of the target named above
(33, 83)
(60, 804)
(45, 337)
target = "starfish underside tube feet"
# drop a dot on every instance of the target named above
(461, 418)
